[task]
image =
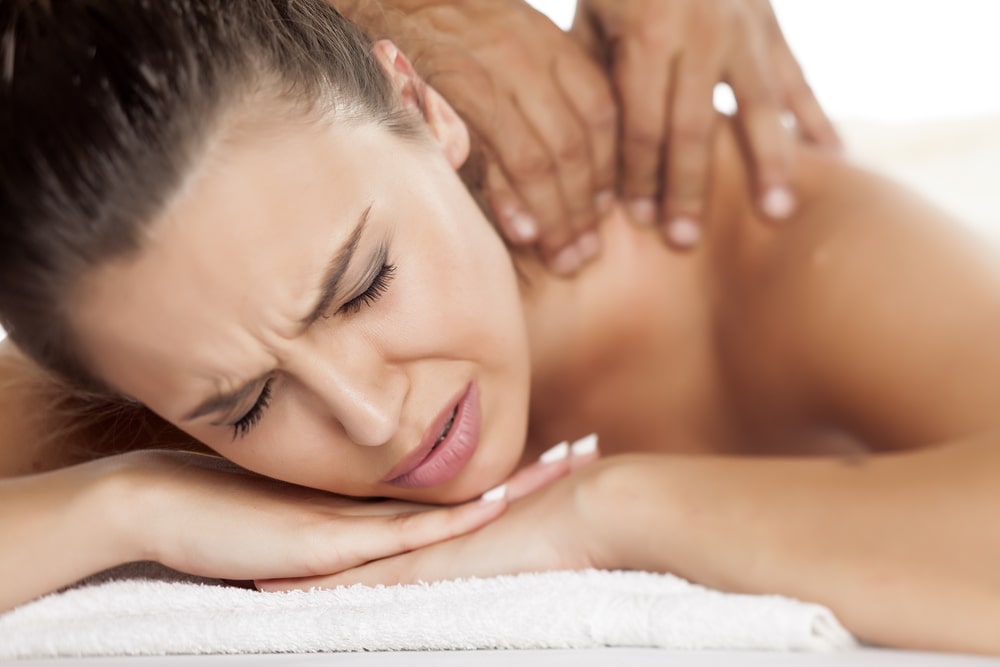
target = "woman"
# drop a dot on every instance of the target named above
(252, 225)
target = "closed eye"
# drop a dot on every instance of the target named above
(375, 289)
(253, 416)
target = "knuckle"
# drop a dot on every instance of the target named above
(603, 116)
(650, 32)
(531, 165)
(642, 139)
(572, 147)
(555, 239)
(691, 132)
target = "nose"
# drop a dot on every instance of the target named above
(359, 388)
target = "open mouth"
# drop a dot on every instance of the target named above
(447, 428)
(449, 452)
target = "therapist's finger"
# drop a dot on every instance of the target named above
(534, 174)
(770, 145)
(795, 92)
(642, 79)
(813, 123)
(510, 213)
(560, 129)
(526, 208)
(689, 145)
(587, 88)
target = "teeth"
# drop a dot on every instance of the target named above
(447, 427)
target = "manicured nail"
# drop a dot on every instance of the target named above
(778, 203)
(589, 246)
(604, 202)
(557, 453)
(523, 226)
(585, 445)
(684, 232)
(495, 494)
(568, 261)
(642, 210)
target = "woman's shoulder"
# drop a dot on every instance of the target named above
(862, 301)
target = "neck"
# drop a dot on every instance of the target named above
(595, 339)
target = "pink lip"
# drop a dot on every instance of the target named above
(429, 465)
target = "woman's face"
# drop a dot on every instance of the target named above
(319, 304)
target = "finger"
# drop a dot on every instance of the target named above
(555, 463)
(552, 465)
(689, 149)
(583, 452)
(511, 215)
(565, 139)
(527, 196)
(642, 74)
(771, 147)
(385, 507)
(385, 572)
(813, 123)
(532, 172)
(352, 542)
(589, 92)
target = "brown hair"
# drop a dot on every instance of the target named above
(105, 103)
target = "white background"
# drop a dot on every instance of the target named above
(887, 60)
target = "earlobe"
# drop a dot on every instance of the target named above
(442, 120)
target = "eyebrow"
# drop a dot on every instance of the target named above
(327, 291)
(335, 271)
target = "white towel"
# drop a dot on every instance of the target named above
(159, 616)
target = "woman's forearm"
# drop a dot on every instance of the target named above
(57, 529)
(902, 547)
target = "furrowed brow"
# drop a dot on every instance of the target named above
(328, 288)
(334, 273)
(223, 403)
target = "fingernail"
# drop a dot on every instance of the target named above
(557, 453)
(589, 246)
(568, 261)
(643, 210)
(683, 232)
(523, 226)
(585, 445)
(604, 202)
(778, 203)
(495, 494)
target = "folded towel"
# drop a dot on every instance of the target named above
(174, 615)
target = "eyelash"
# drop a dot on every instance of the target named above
(254, 414)
(375, 289)
(372, 293)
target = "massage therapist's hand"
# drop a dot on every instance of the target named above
(547, 527)
(539, 106)
(201, 515)
(665, 58)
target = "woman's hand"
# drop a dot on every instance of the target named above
(540, 108)
(201, 515)
(665, 58)
(548, 526)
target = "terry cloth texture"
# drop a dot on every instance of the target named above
(156, 612)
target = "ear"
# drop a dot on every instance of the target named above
(444, 123)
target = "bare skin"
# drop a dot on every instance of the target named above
(825, 337)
